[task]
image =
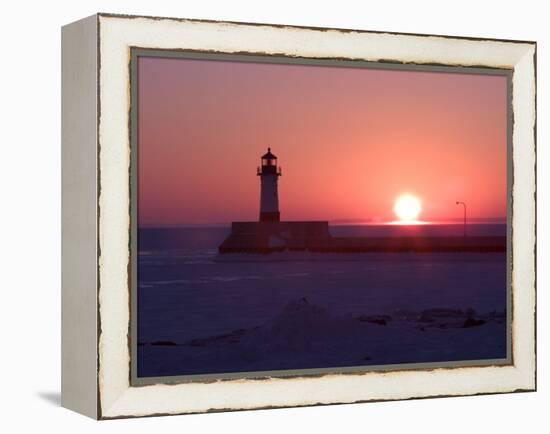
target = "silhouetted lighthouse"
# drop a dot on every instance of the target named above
(269, 197)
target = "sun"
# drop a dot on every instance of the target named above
(407, 208)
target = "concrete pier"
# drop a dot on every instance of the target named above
(314, 236)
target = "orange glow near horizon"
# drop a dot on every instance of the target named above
(414, 223)
(349, 140)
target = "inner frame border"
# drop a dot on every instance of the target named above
(250, 57)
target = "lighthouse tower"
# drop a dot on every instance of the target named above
(269, 197)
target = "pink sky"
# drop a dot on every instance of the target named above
(349, 141)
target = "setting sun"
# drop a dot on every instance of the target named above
(407, 207)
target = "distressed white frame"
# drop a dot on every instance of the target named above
(115, 396)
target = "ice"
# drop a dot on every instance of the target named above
(303, 336)
(246, 313)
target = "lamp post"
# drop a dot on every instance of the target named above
(464, 205)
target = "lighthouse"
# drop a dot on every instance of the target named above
(270, 234)
(269, 197)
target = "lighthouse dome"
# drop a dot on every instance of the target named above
(269, 155)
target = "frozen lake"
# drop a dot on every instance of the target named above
(200, 313)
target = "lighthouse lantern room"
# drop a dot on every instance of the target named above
(269, 197)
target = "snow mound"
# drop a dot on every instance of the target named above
(301, 328)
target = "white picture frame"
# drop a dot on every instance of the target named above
(96, 156)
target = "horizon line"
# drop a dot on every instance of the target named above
(340, 222)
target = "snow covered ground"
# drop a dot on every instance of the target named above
(305, 336)
(201, 314)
